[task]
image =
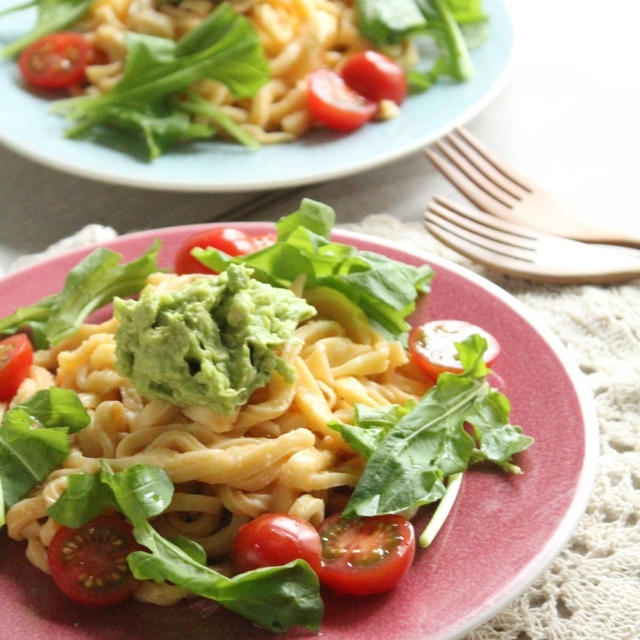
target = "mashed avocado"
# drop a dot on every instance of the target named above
(211, 342)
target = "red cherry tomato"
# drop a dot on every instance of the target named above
(375, 76)
(233, 242)
(274, 539)
(432, 345)
(333, 103)
(55, 61)
(89, 563)
(363, 556)
(16, 357)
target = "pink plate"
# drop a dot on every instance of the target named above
(503, 531)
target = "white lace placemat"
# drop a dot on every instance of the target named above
(592, 590)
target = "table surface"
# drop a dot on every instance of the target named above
(568, 118)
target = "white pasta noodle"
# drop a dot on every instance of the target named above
(274, 454)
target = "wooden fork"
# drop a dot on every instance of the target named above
(515, 250)
(496, 188)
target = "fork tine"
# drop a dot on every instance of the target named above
(487, 220)
(549, 258)
(466, 186)
(486, 167)
(500, 244)
(474, 252)
(476, 176)
(490, 157)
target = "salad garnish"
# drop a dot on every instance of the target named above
(92, 283)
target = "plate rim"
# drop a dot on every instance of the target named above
(587, 476)
(119, 177)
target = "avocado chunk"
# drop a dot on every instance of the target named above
(210, 342)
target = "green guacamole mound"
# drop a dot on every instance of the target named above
(209, 343)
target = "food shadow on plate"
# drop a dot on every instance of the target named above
(47, 95)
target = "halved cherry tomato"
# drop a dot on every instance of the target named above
(233, 242)
(363, 556)
(333, 103)
(375, 76)
(432, 345)
(89, 563)
(274, 539)
(55, 61)
(16, 357)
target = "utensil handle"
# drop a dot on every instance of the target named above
(607, 236)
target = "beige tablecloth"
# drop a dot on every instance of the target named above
(592, 590)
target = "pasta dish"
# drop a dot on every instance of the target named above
(242, 430)
(253, 71)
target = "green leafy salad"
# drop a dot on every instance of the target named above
(413, 454)
(158, 99)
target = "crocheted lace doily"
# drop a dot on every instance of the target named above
(592, 590)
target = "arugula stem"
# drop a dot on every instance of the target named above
(16, 47)
(52, 16)
(442, 510)
(18, 7)
(2, 520)
(196, 104)
(463, 67)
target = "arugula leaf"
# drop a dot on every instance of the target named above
(56, 408)
(84, 499)
(386, 290)
(91, 284)
(191, 548)
(160, 126)
(53, 15)
(408, 466)
(224, 47)
(386, 23)
(371, 425)
(315, 216)
(467, 11)
(141, 491)
(276, 598)
(29, 454)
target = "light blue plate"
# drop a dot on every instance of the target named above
(28, 127)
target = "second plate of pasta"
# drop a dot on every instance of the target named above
(28, 126)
